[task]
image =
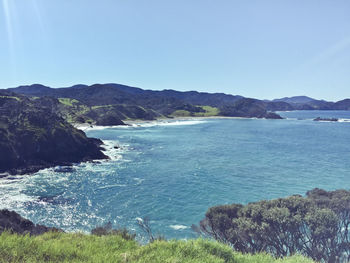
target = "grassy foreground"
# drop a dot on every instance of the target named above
(62, 247)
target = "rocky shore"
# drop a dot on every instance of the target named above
(13, 222)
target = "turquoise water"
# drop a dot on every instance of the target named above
(173, 172)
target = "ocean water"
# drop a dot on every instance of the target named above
(172, 172)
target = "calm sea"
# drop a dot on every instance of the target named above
(172, 172)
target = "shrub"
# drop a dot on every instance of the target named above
(316, 226)
(108, 230)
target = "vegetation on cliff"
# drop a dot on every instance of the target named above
(33, 136)
(110, 104)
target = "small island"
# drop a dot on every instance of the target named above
(325, 119)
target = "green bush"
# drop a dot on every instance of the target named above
(317, 226)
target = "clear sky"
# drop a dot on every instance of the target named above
(255, 48)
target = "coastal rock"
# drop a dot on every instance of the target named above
(109, 120)
(13, 222)
(272, 115)
(325, 119)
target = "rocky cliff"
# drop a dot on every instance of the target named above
(33, 136)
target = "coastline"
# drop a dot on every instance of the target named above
(141, 122)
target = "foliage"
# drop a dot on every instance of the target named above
(68, 101)
(209, 111)
(65, 247)
(134, 103)
(108, 230)
(33, 136)
(10, 97)
(181, 113)
(316, 226)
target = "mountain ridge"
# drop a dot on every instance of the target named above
(111, 103)
(112, 99)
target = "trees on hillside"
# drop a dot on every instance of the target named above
(316, 226)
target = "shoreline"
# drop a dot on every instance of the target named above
(139, 122)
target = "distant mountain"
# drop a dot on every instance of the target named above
(307, 103)
(109, 104)
(202, 98)
(123, 102)
(296, 99)
(342, 105)
(102, 94)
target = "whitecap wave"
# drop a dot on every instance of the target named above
(113, 149)
(167, 123)
(138, 180)
(178, 227)
(141, 124)
(344, 120)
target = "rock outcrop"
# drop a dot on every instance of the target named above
(13, 222)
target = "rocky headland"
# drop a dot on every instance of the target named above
(33, 136)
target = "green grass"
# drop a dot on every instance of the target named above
(102, 106)
(10, 97)
(64, 247)
(181, 113)
(209, 111)
(68, 101)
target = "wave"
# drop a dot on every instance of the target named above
(343, 120)
(138, 180)
(111, 186)
(113, 150)
(167, 123)
(178, 227)
(136, 124)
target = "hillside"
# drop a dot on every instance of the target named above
(102, 94)
(296, 99)
(63, 247)
(33, 136)
(342, 105)
(113, 103)
(116, 102)
(307, 103)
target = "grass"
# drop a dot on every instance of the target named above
(181, 113)
(209, 111)
(65, 247)
(10, 97)
(102, 106)
(68, 101)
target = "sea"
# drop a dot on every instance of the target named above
(173, 171)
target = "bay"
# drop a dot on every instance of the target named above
(172, 172)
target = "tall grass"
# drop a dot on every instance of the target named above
(64, 247)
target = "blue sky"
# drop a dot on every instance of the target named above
(262, 49)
